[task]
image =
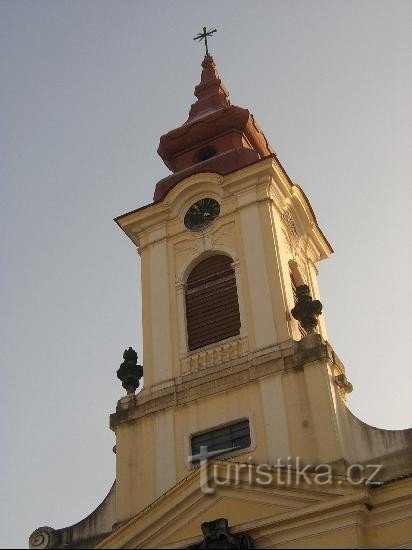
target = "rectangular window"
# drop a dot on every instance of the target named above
(226, 439)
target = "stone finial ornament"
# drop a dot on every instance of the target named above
(306, 310)
(216, 534)
(130, 372)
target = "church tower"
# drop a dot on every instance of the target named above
(236, 363)
(223, 246)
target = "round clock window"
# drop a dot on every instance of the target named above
(201, 214)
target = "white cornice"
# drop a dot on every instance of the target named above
(267, 178)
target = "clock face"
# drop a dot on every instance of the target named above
(201, 214)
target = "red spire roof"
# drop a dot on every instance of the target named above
(210, 92)
(216, 137)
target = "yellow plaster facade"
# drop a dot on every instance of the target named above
(262, 214)
(290, 388)
(265, 224)
(276, 516)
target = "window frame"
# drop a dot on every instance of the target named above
(216, 427)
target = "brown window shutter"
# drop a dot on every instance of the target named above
(212, 307)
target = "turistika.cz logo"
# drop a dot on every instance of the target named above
(285, 472)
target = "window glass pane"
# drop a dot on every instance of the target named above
(230, 437)
(221, 442)
(204, 439)
(240, 429)
(242, 441)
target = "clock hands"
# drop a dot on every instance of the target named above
(201, 214)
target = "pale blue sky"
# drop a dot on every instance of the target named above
(87, 89)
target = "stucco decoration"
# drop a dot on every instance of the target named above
(43, 537)
(188, 253)
(217, 535)
(224, 236)
(292, 238)
(290, 223)
(186, 249)
(216, 355)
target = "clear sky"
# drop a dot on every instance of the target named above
(87, 89)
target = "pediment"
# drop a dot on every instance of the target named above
(174, 520)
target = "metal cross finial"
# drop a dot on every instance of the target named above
(203, 36)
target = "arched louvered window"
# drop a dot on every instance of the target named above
(212, 307)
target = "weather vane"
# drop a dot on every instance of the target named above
(203, 36)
